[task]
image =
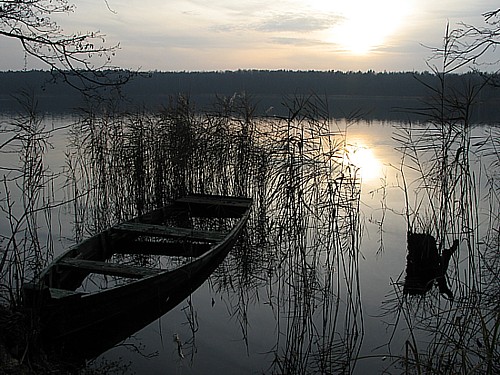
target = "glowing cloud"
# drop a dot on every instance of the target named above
(367, 24)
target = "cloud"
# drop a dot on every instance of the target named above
(297, 23)
(297, 42)
(284, 22)
(196, 34)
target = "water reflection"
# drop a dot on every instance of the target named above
(302, 292)
(298, 262)
(447, 335)
(364, 158)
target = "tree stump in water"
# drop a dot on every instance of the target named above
(424, 265)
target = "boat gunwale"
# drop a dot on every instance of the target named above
(213, 251)
(245, 203)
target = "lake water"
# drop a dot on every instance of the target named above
(223, 343)
(236, 325)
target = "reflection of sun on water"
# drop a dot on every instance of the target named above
(363, 158)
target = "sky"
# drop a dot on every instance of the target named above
(201, 35)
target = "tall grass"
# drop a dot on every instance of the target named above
(455, 198)
(302, 242)
(27, 200)
(314, 200)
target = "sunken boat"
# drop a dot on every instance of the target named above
(188, 239)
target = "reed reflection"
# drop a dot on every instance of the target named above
(451, 214)
(302, 241)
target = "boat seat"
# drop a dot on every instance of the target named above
(170, 232)
(215, 206)
(175, 248)
(106, 268)
(216, 201)
(56, 293)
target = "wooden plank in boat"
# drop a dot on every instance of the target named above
(215, 206)
(216, 201)
(171, 232)
(63, 293)
(111, 269)
(190, 249)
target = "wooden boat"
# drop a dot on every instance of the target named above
(80, 325)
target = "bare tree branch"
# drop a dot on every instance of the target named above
(83, 59)
(468, 45)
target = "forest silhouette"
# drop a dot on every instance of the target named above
(383, 95)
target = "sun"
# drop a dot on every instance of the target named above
(364, 25)
(364, 160)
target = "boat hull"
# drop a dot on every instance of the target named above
(81, 326)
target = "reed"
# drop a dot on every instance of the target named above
(302, 242)
(315, 199)
(450, 200)
(27, 200)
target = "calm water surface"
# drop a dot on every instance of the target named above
(238, 328)
(223, 343)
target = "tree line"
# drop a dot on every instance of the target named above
(154, 88)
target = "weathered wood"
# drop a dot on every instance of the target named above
(171, 232)
(425, 266)
(112, 269)
(214, 206)
(139, 247)
(215, 201)
(63, 293)
(71, 321)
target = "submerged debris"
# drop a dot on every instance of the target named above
(177, 340)
(424, 265)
